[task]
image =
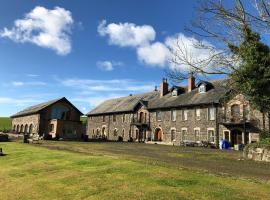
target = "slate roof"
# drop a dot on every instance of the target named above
(123, 104)
(128, 104)
(36, 108)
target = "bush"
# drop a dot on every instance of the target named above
(264, 135)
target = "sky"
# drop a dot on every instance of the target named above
(86, 51)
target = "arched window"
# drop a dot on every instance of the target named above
(115, 132)
(30, 128)
(26, 128)
(18, 128)
(14, 127)
(235, 110)
(21, 130)
(123, 133)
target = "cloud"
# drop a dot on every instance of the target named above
(114, 85)
(156, 54)
(186, 47)
(32, 75)
(127, 34)
(108, 65)
(43, 27)
(20, 83)
(16, 101)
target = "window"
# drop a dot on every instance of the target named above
(197, 134)
(114, 118)
(235, 110)
(184, 115)
(184, 134)
(202, 89)
(115, 132)
(51, 127)
(158, 115)
(103, 118)
(211, 113)
(245, 111)
(198, 113)
(173, 135)
(174, 93)
(173, 115)
(211, 135)
(123, 118)
(123, 133)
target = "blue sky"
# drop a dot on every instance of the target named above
(87, 51)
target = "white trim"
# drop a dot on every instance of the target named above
(223, 133)
(173, 128)
(183, 129)
(211, 129)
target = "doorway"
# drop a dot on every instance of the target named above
(158, 134)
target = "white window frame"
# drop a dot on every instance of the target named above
(158, 118)
(184, 115)
(174, 93)
(173, 129)
(214, 137)
(183, 136)
(199, 134)
(202, 88)
(173, 111)
(209, 115)
(198, 117)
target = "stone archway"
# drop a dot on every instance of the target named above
(26, 129)
(158, 134)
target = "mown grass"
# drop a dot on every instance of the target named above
(31, 172)
(5, 123)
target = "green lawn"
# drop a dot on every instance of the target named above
(74, 170)
(5, 123)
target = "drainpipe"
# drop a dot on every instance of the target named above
(217, 127)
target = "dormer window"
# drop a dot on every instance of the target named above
(202, 88)
(174, 93)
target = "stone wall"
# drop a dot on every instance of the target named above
(96, 124)
(26, 121)
(203, 125)
(258, 154)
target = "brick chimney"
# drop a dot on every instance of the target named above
(191, 82)
(164, 87)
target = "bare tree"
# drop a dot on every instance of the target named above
(222, 25)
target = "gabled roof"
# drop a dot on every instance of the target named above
(154, 101)
(36, 108)
(123, 104)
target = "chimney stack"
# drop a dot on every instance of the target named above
(191, 82)
(164, 87)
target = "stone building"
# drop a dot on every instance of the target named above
(197, 112)
(55, 118)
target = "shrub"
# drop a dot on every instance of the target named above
(264, 135)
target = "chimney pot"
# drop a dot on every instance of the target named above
(191, 82)
(164, 87)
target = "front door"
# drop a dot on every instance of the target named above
(158, 135)
(236, 137)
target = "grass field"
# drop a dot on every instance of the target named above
(74, 170)
(5, 123)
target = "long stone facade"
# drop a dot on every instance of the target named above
(234, 120)
(54, 119)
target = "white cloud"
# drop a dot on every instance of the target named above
(34, 83)
(114, 85)
(156, 54)
(127, 34)
(186, 47)
(16, 101)
(108, 65)
(43, 27)
(32, 75)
